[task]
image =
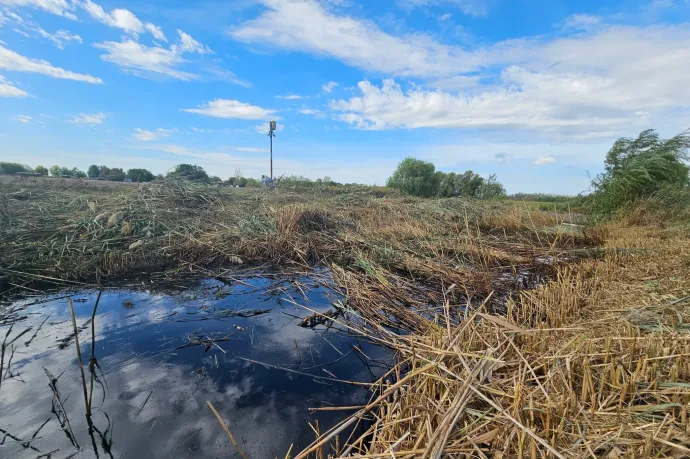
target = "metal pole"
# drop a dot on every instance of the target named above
(271, 136)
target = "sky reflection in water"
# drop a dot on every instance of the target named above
(152, 401)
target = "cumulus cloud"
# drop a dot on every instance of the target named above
(587, 85)
(63, 8)
(149, 136)
(10, 60)
(7, 89)
(544, 160)
(83, 119)
(226, 108)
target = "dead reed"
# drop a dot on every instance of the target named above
(568, 371)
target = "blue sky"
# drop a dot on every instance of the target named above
(534, 91)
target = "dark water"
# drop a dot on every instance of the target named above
(151, 399)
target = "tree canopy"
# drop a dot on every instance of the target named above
(420, 178)
(13, 168)
(41, 170)
(190, 172)
(140, 175)
(416, 177)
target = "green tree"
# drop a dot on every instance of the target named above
(104, 171)
(13, 168)
(76, 173)
(190, 172)
(635, 168)
(491, 188)
(140, 175)
(116, 174)
(469, 183)
(93, 171)
(414, 177)
(41, 170)
(55, 170)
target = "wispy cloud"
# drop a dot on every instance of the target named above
(63, 8)
(226, 108)
(10, 60)
(328, 87)
(23, 118)
(7, 89)
(544, 160)
(87, 119)
(148, 61)
(316, 113)
(290, 97)
(150, 136)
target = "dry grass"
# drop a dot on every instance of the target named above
(592, 364)
(403, 248)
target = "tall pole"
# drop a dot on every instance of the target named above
(271, 135)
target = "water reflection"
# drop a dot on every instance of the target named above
(160, 356)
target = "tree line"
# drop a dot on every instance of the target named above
(420, 178)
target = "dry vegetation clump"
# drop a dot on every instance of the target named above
(404, 247)
(592, 364)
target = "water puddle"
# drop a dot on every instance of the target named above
(162, 355)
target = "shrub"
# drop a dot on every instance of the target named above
(639, 168)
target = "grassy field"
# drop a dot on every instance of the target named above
(590, 363)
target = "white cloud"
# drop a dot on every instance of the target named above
(23, 118)
(311, 111)
(290, 97)
(156, 31)
(590, 85)
(147, 61)
(144, 61)
(60, 37)
(7, 89)
(544, 160)
(445, 17)
(202, 130)
(85, 118)
(187, 44)
(225, 108)
(149, 136)
(10, 60)
(122, 19)
(328, 87)
(28, 28)
(60, 7)
(227, 75)
(356, 42)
